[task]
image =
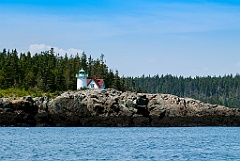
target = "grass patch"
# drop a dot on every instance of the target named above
(15, 92)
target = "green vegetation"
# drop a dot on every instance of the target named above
(15, 92)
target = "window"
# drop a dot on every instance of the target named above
(92, 85)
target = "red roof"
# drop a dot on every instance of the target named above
(99, 82)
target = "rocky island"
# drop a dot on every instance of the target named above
(111, 107)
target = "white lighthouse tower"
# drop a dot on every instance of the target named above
(81, 79)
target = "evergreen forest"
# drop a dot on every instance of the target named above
(222, 90)
(51, 72)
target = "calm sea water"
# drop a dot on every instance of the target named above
(90, 143)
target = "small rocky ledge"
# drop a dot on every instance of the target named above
(114, 108)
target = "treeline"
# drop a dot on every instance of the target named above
(223, 90)
(50, 72)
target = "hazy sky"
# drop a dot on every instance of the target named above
(179, 37)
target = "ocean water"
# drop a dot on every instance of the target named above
(133, 143)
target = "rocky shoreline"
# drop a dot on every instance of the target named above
(110, 107)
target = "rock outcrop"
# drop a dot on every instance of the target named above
(17, 112)
(114, 108)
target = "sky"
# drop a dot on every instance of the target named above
(137, 37)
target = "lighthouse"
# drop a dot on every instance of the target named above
(91, 83)
(81, 79)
